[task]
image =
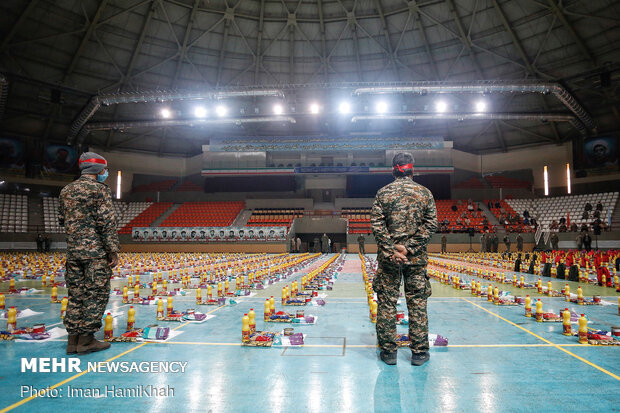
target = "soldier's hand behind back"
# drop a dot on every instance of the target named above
(113, 259)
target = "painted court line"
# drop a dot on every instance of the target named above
(26, 400)
(547, 341)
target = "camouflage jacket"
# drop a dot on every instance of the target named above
(86, 212)
(403, 213)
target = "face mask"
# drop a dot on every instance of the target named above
(102, 178)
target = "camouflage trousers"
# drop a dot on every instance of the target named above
(88, 282)
(417, 290)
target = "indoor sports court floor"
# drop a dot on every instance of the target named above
(492, 352)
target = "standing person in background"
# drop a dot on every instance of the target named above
(87, 215)
(360, 243)
(554, 240)
(483, 242)
(403, 219)
(495, 242)
(587, 241)
(293, 244)
(444, 243)
(39, 243)
(47, 243)
(507, 242)
(298, 244)
(519, 242)
(325, 244)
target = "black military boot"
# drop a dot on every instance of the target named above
(72, 342)
(417, 359)
(88, 344)
(389, 357)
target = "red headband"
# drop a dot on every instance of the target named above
(94, 160)
(402, 168)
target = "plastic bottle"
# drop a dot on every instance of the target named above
(496, 296)
(131, 318)
(567, 292)
(539, 311)
(245, 329)
(136, 291)
(209, 292)
(219, 289)
(583, 329)
(154, 287)
(160, 308)
(490, 293)
(373, 311)
(2, 303)
(252, 317)
(478, 289)
(164, 285)
(44, 280)
(549, 289)
(63, 307)
(267, 309)
(579, 296)
(272, 305)
(130, 280)
(54, 294)
(108, 329)
(539, 286)
(137, 278)
(566, 327)
(283, 295)
(169, 306)
(198, 295)
(521, 282)
(125, 294)
(528, 306)
(11, 324)
(226, 286)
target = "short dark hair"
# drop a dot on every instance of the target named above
(400, 159)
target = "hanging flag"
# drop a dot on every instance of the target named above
(568, 219)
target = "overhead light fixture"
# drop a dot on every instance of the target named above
(165, 113)
(568, 184)
(382, 107)
(314, 108)
(546, 180)
(200, 112)
(221, 111)
(441, 106)
(481, 106)
(278, 109)
(118, 185)
(344, 108)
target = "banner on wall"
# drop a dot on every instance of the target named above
(596, 156)
(209, 234)
(325, 143)
(11, 153)
(60, 159)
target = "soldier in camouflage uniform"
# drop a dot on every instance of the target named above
(403, 219)
(92, 251)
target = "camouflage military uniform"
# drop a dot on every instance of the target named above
(360, 243)
(403, 214)
(87, 215)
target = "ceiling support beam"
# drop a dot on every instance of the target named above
(84, 41)
(259, 40)
(415, 10)
(386, 33)
(188, 32)
(324, 57)
(571, 30)
(229, 17)
(291, 53)
(18, 23)
(132, 63)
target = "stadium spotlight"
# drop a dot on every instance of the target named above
(382, 107)
(200, 112)
(441, 106)
(165, 113)
(344, 108)
(314, 108)
(546, 180)
(568, 185)
(278, 109)
(118, 185)
(481, 106)
(221, 110)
